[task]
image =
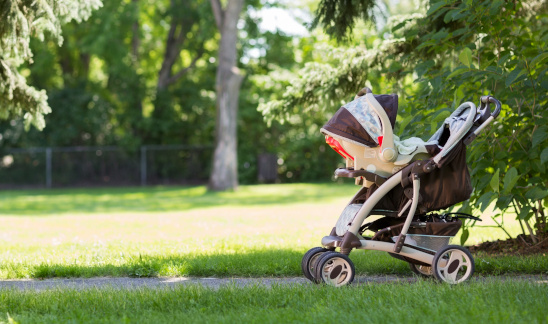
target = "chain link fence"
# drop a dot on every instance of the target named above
(104, 166)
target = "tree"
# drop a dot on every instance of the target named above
(454, 52)
(184, 18)
(224, 173)
(19, 19)
(104, 86)
(191, 26)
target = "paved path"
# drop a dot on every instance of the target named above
(132, 283)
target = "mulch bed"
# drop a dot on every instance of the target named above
(521, 245)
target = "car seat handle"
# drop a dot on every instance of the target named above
(388, 151)
(363, 91)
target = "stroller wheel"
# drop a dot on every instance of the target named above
(335, 269)
(310, 259)
(453, 264)
(421, 270)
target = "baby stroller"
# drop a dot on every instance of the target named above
(403, 182)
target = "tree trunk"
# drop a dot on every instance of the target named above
(224, 173)
(135, 37)
(173, 50)
(176, 40)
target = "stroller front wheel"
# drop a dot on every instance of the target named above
(309, 262)
(453, 264)
(335, 269)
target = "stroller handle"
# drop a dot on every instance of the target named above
(485, 116)
(486, 100)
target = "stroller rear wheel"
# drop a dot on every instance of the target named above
(309, 262)
(335, 269)
(421, 270)
(453, 264)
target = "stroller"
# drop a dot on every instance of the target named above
(403, 182)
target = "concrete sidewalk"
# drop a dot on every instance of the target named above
(132, 283)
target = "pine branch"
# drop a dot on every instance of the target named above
(338, 17)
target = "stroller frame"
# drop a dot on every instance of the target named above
(323, 264)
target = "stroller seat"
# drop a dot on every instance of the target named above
(362, 132)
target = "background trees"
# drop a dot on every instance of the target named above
(144, 73)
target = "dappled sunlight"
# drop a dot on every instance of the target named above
(255, 231)
(219, 240)
(296, 223)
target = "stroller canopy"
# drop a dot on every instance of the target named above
(358, 122)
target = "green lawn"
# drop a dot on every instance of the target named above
(162, 199)
(420, 302)
(186, 231)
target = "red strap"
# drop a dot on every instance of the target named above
(335, 145)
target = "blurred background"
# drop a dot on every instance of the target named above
(117, 120)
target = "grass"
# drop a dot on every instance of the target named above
(119, 260)
(186, 231)
(424, 301)
(253, 232)
(161, 199)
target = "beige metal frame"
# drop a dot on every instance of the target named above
(365, 211)
(389, 247)
(368, 206)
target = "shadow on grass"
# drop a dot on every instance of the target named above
(161, 199)
(251, 264)
(263, 263)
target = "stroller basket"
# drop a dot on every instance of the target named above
(429, 242)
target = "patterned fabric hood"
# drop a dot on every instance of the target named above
(358, 122)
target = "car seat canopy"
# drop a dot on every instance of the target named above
(358, 122)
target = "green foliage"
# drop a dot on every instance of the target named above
(103, 84)
(19, 20)
(339, 17)
(455, 52)
(499, 46)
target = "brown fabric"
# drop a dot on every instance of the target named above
(432, 149)
(447, 185)
(390, 105)
(344, 124)
(435, 227)
(442, 228)
(438, 227)
(387, 222)
(392, 201)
